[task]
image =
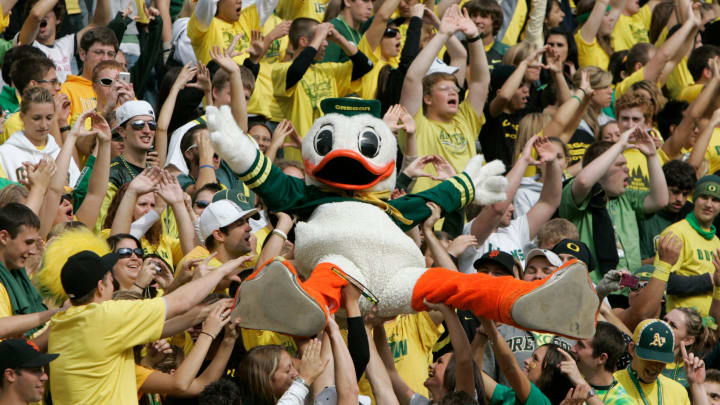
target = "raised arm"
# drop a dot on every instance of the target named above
(89, 210)
(100, 19)
(169, 190)
(374, 33)
(479, 72)
(672, 50)
(439, 254)
(345, 378)
(590, 174)
(658, 197)
(17, 325)
(697, 156)
(566, 120)
(505, 359)
(551, 193)
(204, 13)
(512, 84)
(378, 377)
(143, 183)
(31, 26)
(402, 391)
(237, 94)
(411, 96)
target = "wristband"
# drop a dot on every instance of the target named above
(302, 381)
(205, 333)
(138, 286)
(65, 128)
(577, 98)
(207, 166)
(279, 233)
(662, 271)
(583, 91)
(716, 293)
(476, 38)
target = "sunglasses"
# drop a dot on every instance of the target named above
(67, 197)
(140, 124)
(202, 203)
(106, 81)
(640, 286)
(124, 253)
(391, 32)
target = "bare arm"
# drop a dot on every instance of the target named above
(378, 377)
(550, 197)
(16, 325)
(512, 84)
(374, 33)
(506, 361)
(89, 210)
(479, 71)
(345, 379)
(658, 197)
(589, 30)
(402, 391)
(275, 243)
(672, 49)
(237, 94)
(170, 191)
(697, 156)
(31, 26)
(567, 118)
(464, 370)
(100, 19)
(143, 183)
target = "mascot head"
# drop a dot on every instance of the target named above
(350, 148)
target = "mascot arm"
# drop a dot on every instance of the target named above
(278, 191)
(452, 194)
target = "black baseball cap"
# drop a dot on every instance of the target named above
(82, 271)
(577, 249)
(503, 259)
(19, 353)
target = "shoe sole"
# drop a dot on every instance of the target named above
(566, 304)
(274, 300)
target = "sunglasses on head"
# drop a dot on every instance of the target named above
(202, 203)
(124, 253)
(391, 32)
(106, 81)
(67, 197)
(140, 124)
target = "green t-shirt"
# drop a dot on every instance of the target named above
(333, 52)
(613, 394)
(506, 396)
(625, 213)
(652, 226)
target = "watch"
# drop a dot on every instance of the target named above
(302, 381)
(591, 394)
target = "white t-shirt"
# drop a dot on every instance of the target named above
(61, 53)
(184, 52)
(510, 239)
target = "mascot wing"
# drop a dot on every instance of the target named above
(489, 182)
(229, 141)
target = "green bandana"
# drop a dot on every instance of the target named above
(24, 299)
(692, 220)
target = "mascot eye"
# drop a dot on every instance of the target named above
(369, 143)
(324, 141)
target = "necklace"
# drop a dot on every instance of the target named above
(353, 33)
(634, 379)
(127, 166)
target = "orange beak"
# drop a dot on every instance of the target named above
(348, 170)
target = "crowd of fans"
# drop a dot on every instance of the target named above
(123, 236)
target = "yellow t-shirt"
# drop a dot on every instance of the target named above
(301, 103)
(679, 79)
(625, 84)
(637, 165)
(517, 23)
(690, 93)
(12, 124)
(591, 54)
(695, 259)
(81, 94)
(221, 33)
(4, 19)
(454, 140)
(630, 30)
(292, 9)
(366, 86)
(712, 155)
(95, 342)
(5, 305)
(141, 374)
(672, 392)
(411, 339)
(263, 102)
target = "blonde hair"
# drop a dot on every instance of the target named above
(529, 125)
(256, 371)
(35, 95)
(14, 193)
(518, 52)
(598, 79)
(556, 230)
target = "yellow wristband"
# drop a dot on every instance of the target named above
(662, 270)
(716, 293)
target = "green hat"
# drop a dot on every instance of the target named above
(644, 272)
(236, 195)
(350, 106)
(654, 340)
(708, 185)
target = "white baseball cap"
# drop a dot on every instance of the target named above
(438, 66)
(221, 213)
(133, 108)
(554, 259)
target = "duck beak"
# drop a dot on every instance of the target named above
(348, 170)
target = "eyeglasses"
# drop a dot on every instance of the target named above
(446, 88)
(140, 124)
(191, 146)
(106, 81)
(202, 203)
(391, 32)
(54, 81)
(124, 253)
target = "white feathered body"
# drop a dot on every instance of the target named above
(380, 255)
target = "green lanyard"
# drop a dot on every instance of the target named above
(353, 34)
(634, 379)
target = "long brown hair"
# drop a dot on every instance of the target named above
(152, 235)
(255, 373)
(586, 6)
(705, 338)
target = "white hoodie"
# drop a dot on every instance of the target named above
(18, 149)
(527, 195)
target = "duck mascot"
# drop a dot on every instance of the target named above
(349, 232)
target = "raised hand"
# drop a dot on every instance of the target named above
(527, 151)
(570, 369)
(392, 118)
(146, 181)
(216, 320)
(545, 150)
(62, 108)
(279, 31)
(458, 245)
(101, 127)
(694, 367)
(286, 135)
(257, 47)
(204, 82)
(644, 143)
(435, 214)
(466, 25)
(585, 83)
(78, 130)
(224, 59)
(312, 363)
(416, 167)
(669, 248)
(169, 189)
